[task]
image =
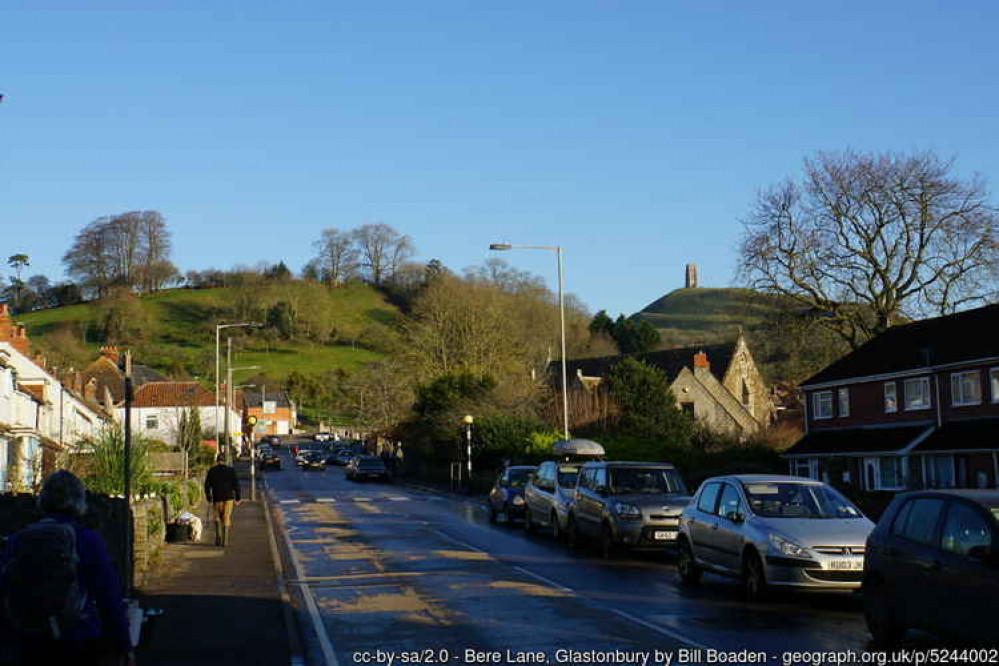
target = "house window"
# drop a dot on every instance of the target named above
(940, 471)
(746, 396)
(822, 405)
(688, 408)
(270, 407)
(994, 382)
(965, 388)
(844, 402)
(891, 397)
(917, 393)
(152, 422)
(892, 473)
(807, 467)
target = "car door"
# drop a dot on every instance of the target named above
(497, 496)
(727, 534)
(703, 522)
(587, 501)
(912, 551)
(536, 494)
(966, 590)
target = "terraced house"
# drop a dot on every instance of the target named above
(916, 407)
(40, 416)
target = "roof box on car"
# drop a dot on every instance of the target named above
(578, 448)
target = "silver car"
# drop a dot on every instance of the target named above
(549, 494)
(773, 531)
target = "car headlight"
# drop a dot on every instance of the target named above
(628, 511)
(785, 547)
(518, 500)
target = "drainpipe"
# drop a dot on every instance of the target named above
(995, 468)
(936, 383)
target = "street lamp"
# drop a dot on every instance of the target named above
(468, 421)
(502, 247)
(229, 396)
(218, 370)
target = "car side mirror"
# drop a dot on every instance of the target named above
(736, 517)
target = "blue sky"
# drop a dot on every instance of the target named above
(635, 134)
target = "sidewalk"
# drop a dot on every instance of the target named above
(220, 606)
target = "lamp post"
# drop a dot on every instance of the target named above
(228, 405)
(468, 421)
(218, 371)
(502, 247)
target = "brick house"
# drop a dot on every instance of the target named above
(719, 385)
(275, 412)
(915, 407)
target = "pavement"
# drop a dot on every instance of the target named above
(220, 606)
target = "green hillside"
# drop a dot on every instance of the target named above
(704, 315)
(174, 330)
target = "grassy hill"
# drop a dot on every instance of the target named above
(705, 315)
(175, 329)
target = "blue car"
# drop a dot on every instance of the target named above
(507, 496)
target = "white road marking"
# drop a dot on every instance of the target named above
(546, 581)
(325, 499)
(459, 542)
(659, 629)
(362, 499)
(290, 502)
(398, 499)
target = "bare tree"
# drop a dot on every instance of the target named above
(383, 250)
(867, 238)
(336, 256)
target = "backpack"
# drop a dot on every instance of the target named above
(43, 596)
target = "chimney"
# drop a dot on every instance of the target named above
(19, 339)
(691, 276)
(90, 391)
(701, 361)
(111, 353)
(4, 311)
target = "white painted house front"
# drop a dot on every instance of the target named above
(158, 406)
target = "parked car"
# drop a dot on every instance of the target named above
(313, 461)
(300, 455)
(773, 531)
(507, 495)
(321, 437)
(344, 456)
(267, 458)
(273, 440)
(366, 467)
(631, 504)
(550, 490)
(933, 564)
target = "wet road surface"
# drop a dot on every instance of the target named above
(393, 569)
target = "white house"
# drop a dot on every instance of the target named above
(157, 408)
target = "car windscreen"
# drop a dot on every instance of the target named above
(798, 500)
(518, 477)
(567, 476)
(645, 481)
(371, 463)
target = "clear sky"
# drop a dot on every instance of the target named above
(635, 134)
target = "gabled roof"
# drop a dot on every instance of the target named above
(670, 361)
(965, 336)
(254, 399)
(173, 394)
(109, 376)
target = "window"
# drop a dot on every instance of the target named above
(270, 407)
(891, 397)
(600, 479)
(917, 393)
(688, 408)
(940, 471)
(891, 474)
(965, 388)
(822, 405)
(844, 402)
(921, 520)
(731, 503)
(964, 529)
(805, 467)
(152, 422)
(994, 382)
(709, 498)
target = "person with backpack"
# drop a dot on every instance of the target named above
(61, 597)
(222, 491)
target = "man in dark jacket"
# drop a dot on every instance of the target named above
(101, 628)
(222, 490)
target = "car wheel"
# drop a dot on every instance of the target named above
(881, 622)
(571, 535)
(528, 523)
(556, 530)
(754, 578)
(690, 573)
(608, 548)
(492, 513)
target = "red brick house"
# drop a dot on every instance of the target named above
(916, 407)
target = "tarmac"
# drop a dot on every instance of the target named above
(220, 605)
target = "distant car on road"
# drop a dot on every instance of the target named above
(267, 458)
(313, 461)
(271, 440)
(322, 437)
(933, 564)
(344, 456)
(773, 531)
(366, 467)
(507, 496)
(300, 455)
(634, 505)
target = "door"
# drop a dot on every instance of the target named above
(593, 502)
(703, 523)
(537, 495)
(969, 580)
(913, 558)
(727, 540)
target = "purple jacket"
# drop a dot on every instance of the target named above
(105, 612)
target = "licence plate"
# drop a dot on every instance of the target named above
(664, 536)
(846, 565)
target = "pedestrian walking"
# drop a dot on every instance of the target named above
(222, 491)
(60, 593)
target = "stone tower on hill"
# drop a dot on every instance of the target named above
(691, 281)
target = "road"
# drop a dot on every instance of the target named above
(394, 569)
